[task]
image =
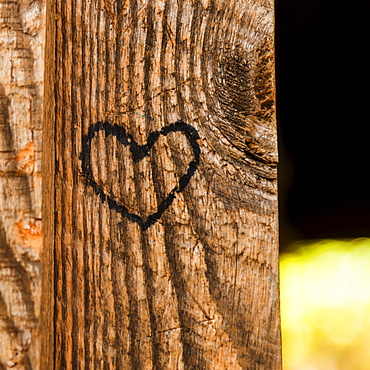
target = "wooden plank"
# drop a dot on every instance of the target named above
(21, 105)
(165, 239)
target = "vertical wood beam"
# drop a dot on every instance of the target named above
(164, 194)
(21, 105)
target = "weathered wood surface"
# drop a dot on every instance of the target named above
(22, 29)
(198, 289)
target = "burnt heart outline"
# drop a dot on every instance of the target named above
(139, 152)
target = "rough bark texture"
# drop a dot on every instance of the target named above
(22, 29)
(164, 261)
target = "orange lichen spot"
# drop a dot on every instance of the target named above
(26, 158)
(30, 234)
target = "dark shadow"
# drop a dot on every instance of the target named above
(323, 140)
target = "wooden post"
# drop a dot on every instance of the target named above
(21, 96)
(160, 186)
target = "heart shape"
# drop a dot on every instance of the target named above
(139, 152)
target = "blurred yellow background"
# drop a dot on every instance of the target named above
(325, 305)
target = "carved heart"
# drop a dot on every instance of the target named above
(139, 152)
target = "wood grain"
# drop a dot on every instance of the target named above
(199, 288)
(21, 105)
